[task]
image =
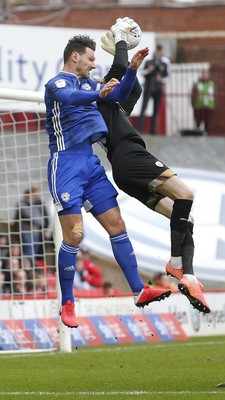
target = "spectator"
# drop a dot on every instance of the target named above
(26, 264)
(162, 281)
(14, 250)
(156, 71)
(4, 248)
(31, 219)
(2, 282)
(51, 282)
(79, 281)
(40, 283)
(19, 279)
(12, 265)
(92, 273)
(109, 290)
(203, 101)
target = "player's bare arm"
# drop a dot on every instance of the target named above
(138, 58)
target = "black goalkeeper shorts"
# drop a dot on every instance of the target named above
(138, 173)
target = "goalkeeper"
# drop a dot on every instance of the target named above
(139, 174)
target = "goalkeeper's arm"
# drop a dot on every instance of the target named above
(117, 71)
(120, 62)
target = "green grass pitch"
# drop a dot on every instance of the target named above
(181, 370)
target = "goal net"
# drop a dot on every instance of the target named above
(28, 295)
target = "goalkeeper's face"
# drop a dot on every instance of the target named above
(85, 63)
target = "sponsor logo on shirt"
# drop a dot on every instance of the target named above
(60, 83)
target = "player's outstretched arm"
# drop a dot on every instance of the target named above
(118, 68)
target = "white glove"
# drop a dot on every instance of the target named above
(126, 20)
(129, 21)
(108, 43)
(121, 28)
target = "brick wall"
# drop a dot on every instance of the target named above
(156, 19)
(165, 21)
(201, 49)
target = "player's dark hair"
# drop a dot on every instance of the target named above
(78, 43)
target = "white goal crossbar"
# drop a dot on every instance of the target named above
(21, 95)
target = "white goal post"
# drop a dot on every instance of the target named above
(29, 234)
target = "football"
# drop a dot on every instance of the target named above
(134, 37)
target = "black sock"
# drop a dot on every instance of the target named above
(188, 250)
(179, 225)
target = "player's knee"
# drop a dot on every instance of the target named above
(189, 194)
(176, 189)
(183, 193)
(76, 234)
(186, 193)
(119, 225)
(112, 221)
(76, 238)
(116, 225)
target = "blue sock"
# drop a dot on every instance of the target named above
(124, 255)
(67, 268)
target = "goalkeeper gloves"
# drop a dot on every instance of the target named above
(108, 43)
(121, 28)
(117, 32)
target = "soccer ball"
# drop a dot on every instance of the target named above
(134, 37)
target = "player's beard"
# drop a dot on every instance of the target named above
(85, 75)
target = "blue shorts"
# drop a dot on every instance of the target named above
(76, 180)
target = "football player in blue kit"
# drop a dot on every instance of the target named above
(75, 175)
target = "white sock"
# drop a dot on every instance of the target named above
(176, 262)
(191, 278)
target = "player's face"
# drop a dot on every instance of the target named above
(85, 64)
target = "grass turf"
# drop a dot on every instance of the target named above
(181, 370)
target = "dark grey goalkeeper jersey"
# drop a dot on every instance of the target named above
(135, 171)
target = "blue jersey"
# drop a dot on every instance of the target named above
(72, 116)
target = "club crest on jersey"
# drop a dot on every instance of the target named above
(60, 83)
(86, 86)
(65, 197)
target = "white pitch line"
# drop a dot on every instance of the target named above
(153, 346)
(113, 393)
(124, 347)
